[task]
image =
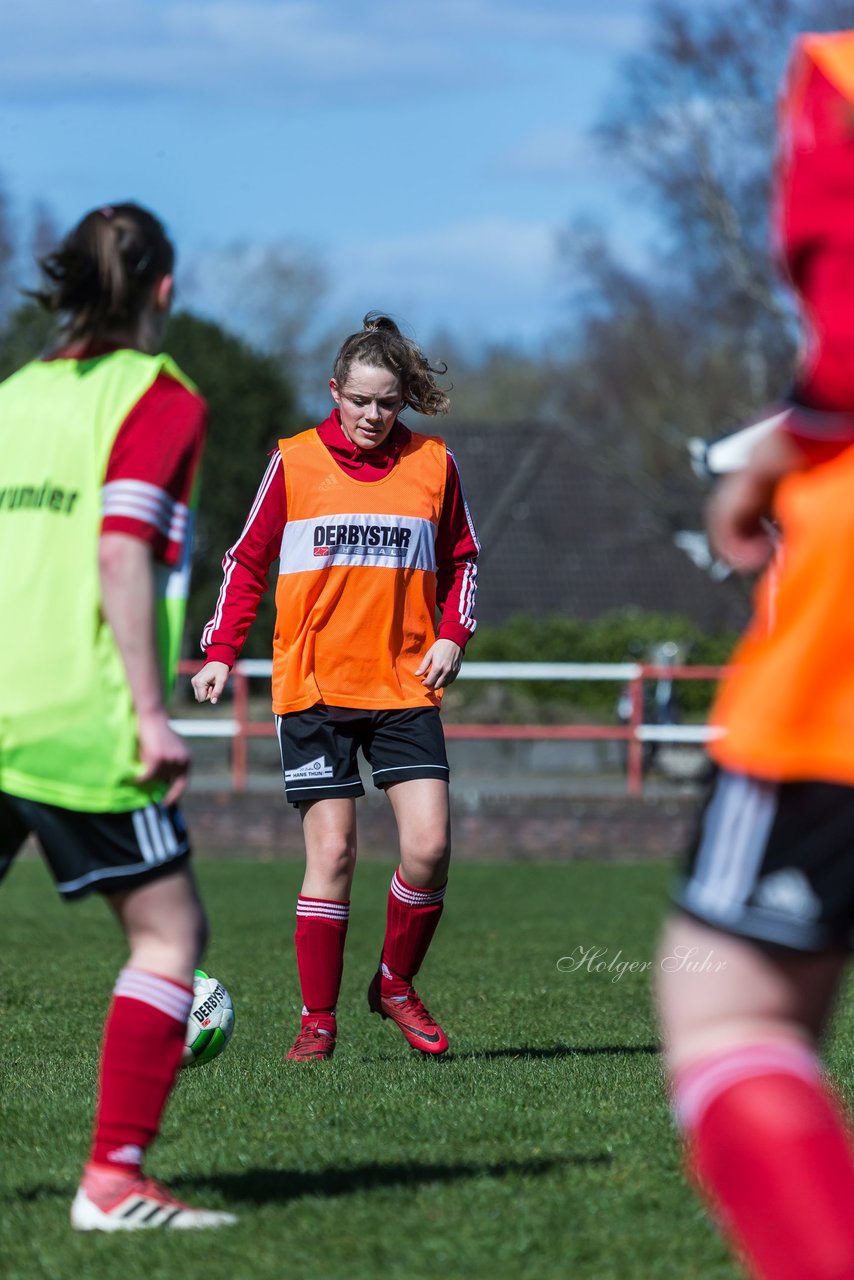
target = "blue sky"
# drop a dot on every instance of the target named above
(423, 155)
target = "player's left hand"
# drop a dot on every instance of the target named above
(442, 663)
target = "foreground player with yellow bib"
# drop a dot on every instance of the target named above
(100, 443)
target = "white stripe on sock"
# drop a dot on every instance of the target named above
(703, 1083)
(318, 909)
(416, 897)
(159, 993)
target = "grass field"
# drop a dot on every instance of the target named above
(539, 1148)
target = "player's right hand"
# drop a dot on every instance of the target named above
(739, 531)
(165, 757)
(209, 683)
(740, 512)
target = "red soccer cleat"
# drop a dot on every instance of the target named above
(315, 1042)
(419, 1029)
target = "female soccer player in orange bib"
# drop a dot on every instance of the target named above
(373, 535)
(750, 967)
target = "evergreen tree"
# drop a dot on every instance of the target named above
(251, 405)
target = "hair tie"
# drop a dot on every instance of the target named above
(143, 262)
(107, 211)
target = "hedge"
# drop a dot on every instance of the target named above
(625, 635)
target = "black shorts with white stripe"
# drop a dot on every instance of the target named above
(101, 852)
(320, 746)
(774, 862)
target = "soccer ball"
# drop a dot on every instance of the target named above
(210, 1023)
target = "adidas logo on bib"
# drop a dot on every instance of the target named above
(313, 769)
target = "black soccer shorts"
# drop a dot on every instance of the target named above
(774, 862)
(104, 852)
(319, 749)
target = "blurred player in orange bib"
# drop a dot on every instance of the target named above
(767, 900)
(373, 536)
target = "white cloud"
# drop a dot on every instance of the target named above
(615, 27)
(470, 245)
(487, 278)
(219, 48)
(552, 152)
(289, 50)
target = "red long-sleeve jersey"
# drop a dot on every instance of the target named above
(246, 564)
(813, 222)
(151, 472)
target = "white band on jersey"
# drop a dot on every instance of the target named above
(346, 539)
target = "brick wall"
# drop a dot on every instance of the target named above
(615, 828)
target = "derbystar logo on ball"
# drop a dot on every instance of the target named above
(210, 1023)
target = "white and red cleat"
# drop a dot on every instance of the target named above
(142, 1205)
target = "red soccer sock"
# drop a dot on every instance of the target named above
(411, 919)
(319, 939)
(770, 1150)
(143, 1041)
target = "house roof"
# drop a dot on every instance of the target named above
(561, 535)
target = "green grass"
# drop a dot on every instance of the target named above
(541, 1147)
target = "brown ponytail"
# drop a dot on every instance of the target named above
(101, 275)
(382, 345)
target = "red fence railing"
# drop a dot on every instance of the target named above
(240, 727)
